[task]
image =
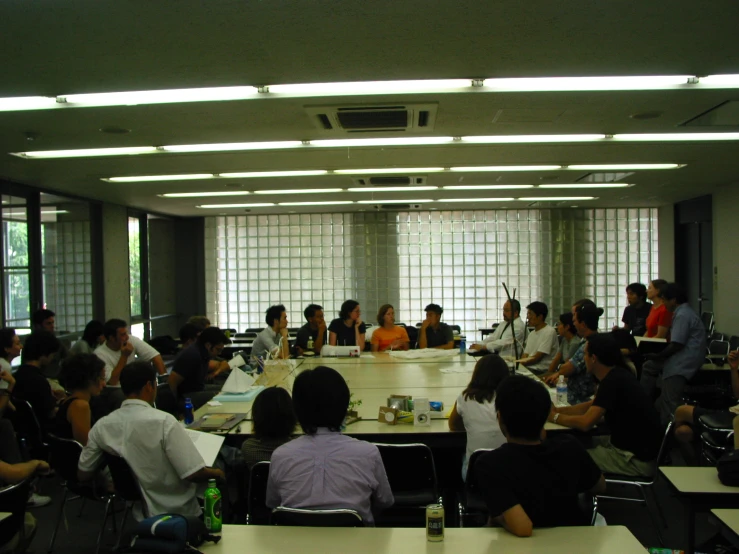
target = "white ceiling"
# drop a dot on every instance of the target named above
(53, 48)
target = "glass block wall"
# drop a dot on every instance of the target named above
(458, 259)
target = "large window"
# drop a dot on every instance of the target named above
(134, 266)
(458, 259)
(16, 273)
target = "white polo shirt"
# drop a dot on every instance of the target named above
(546, 341)
(142, 352)
(157, 448)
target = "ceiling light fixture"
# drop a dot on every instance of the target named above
(221, 206)
(674, 137)
(296, 191)
(22, 103)
(503, 168)
(231, 146)
(336, 203)
(167, 96)
(403, 141)
(394, 201)
(88, 152)
(587, 186)
(203, 194)
(388, 170)
(576, 84)
(719, 81)
(362, 88)
(623, 167)
(556, 198)
(390, 189)
(487, 187)
(475, 199)
(299, 173)
(531, 139)
(143, 178)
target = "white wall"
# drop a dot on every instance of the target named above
(666, 239)
(726, 259)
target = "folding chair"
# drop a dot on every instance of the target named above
(717, 437)
(258, 512)
(470, 501)
(126, 488)
(299, 517)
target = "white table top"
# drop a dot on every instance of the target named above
(729, 517)
(321, 540)
(4, 515)
(697, 480)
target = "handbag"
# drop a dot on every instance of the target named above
(170, 534)
(728, 468)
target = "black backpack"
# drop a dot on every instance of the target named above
(728, 468)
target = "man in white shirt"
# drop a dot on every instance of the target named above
(501, 340)
(156, 447)
(274, 338)
(542, 343)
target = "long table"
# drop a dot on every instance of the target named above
(265, 539)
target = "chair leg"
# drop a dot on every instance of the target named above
(82, 506)
(60, 513)
(123, 526)
(655, 521)
(102, 527)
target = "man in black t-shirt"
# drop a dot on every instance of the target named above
(529, 482)
(314, 330)
(636, 434)
(30, 383)
(636, 313)
(192, 368)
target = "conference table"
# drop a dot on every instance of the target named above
(729, 520)
(267, 539)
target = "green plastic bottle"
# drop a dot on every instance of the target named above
(213, 514)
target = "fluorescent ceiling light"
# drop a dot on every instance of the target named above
(481, 168)
(587, 186)
(88, 152)
(248, 174)
(531, 139)
(390, 189)
(316, 203)
(204, 194)
(557, 198)
(624, 167)
(674, 137)
(475, 199)
(720, 81)
(373, 87)
(142, 178)
(574, 84)
(388, 170)
(394, 201)
(487, 187)
(403, 141)
(214, 206)
(12, 212)
(231, 146)
(22, 103)
(170, 96)
(296, 191)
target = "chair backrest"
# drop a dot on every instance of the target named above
(412, 335)
(707, 319)
(588, 506)
(719, 348)
(65, 455)
(715, 336)
(26, 425)
(124, 481)
(409, 467)
(165, 345)
(664, 448)
(13, 501)
(733, 342)
(259, 513)
(299, 517)
(471, 484)
(457, 329)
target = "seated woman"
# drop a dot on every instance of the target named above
(348, 329)
(92, 337)
(474, 410)
(83, 377)
(569, 343)
(389, 336)
(324, 469)
(273, 422)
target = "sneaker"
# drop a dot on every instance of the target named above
(37, 501)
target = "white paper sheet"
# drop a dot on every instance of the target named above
(238, 382)
(236, 362)
(207, 444)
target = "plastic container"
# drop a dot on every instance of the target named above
(212, 516)
(189, 416)
(462, 346)
(561, 391)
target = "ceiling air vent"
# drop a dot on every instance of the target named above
(390, 181)
(355, 119)
(398, 207)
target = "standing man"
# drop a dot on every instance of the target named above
(192, 368)
(682, 358)
(542, 344)
(273, 339)
(434, 333)
(501, 340)
(314, 330)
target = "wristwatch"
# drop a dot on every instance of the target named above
(555, 418)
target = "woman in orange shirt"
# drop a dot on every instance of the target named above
(660, 318)
(388, 335)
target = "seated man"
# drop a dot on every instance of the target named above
(30, 384)
(161, 455)
(542, 343)
(501, 340)
(529, 481)
(273, 339)
(313, 331)
(682, 358)
(324, 469)
(45, 320)
(434, 333)
(192, 369)
(189, 334)
(636, 434)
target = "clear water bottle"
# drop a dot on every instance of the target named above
(462, 346)
(189, 416)
(561, 391)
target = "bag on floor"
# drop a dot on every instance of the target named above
(728, 469)
(170, 534)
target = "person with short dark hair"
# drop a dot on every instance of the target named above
(10, 348)
(43, 320)
(531, 482)
(199, 321)
(348, 329)
(636, 434)
(191, 370)
(434, 333)
(162, 456)
(474, 409)
(501, 340)
(30, 383)
(682, 358)
(389, 336)
(324, 469)
(92, 337)
(542, 343)
(121, 349)
(659, 319)
(273, 340)
(273, 424)
(314, 330)
(636, 313)
(83, 377)
(569, 342)
(189, 333)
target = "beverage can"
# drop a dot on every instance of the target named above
(213, 517)
(435, 522)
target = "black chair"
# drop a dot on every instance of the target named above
(457, 329)
(718, 351)
(65, 455)
(715, 336)
(165, 345)
(588, 504)
(470, 501)
(258, 512)
(126, 488)
(298, 517)
(733, 342)
(716, 435)
(644, 484)
(13, 501)
(412, 336)
(707, 319)
(27, 427)
(411, 472)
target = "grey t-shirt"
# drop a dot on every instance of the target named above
(436, 338)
